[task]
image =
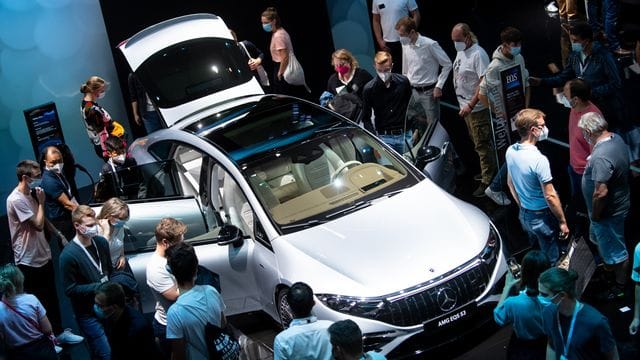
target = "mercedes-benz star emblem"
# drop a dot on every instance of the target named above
(447, 299)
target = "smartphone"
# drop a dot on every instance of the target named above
(514, 267)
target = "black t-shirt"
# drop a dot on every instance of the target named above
(131, 336)
(360, 78)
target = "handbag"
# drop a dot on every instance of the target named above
(580, 259)
(262, 73)
(294, 74)
(221, 343)
(38, 342)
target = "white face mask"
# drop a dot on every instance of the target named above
(460, 45)
(545, 133)
(119, 159)
(562, 100)
(405, 40)
(90, 231)
(57, 168)
(102, 94)
(384, 76)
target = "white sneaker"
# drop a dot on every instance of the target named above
(67, 337)
(58, 349)
(551, 7)
(499, 197)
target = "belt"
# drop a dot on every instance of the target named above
(424, 88)
(537, 212)
(391, 131)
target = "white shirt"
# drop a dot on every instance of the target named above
(422, 60)
(29, 245)
(469, 67)
(391, 11)
(306, 338)
(159, 281)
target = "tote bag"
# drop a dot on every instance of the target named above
(294, 74)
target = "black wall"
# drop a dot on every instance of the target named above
(306, 21)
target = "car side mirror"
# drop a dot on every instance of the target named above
(230, 235)
(427, 154)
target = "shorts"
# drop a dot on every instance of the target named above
(608, 234)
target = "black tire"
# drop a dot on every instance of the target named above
(284, 310)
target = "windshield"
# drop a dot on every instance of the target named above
(305, 164)
(193, 69)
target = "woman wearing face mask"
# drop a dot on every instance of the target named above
(575, 330)
(24, 326)
(280, 48)
(97, 120)
(111, 220)
(524, 311)
(349, 77)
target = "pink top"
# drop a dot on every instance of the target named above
(579, 149)
(280, 40)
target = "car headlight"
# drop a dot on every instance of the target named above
(492, 248)
(372, 308)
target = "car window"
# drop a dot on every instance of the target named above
(155, 180)
(193, 69)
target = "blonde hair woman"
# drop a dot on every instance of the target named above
(349, 77)
(112, 219)
(24, 326)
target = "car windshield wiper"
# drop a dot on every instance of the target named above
(394, 192)
(356, 206)
(303, 224)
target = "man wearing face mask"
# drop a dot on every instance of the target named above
(575, 330)
(59, 200)
(385, 16)
(387, 95)
(576, 96)
(590, 61)
(506, 56)
(422, 57)
(529, 179)
(469, 68)
(605, 186)
(31, 252)
(84, 265)
(163, 285)
(130, 335)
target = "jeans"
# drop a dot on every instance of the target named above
(608, 234)
(151, 121)
(96, 337)
(610, 20)
(543, 229)
(160, 333)
(397, 142)
(499, 182)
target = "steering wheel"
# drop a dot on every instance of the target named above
(341, 168)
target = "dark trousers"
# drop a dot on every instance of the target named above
(66, 228)
(40, 281)
(279, 86)
(395, 48)
(160, 333)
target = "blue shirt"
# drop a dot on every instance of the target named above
(524, 312)
(306, 338)
(55, 185)
(529, 169)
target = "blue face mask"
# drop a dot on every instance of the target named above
(515, 51)
(577, 47)
(119, 223)
(267, 27)
(35, 183)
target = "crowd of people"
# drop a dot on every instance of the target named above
(410, 73)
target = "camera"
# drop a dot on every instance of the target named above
(514, 267)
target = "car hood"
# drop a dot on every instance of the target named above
(396, 243)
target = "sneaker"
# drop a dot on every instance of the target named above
(499, 197)
(551, 7)
(479, 192)
(67, 337)
(58, 349)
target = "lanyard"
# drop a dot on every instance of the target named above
(584, 65)
(97, 265)
(566, 345)
(65, 183)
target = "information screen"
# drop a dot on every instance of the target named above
(44, 126)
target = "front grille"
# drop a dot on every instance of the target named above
(419, 307)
